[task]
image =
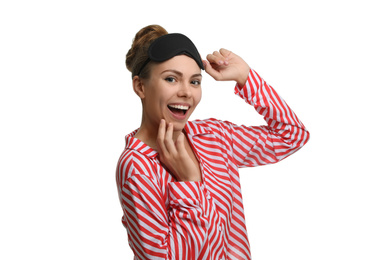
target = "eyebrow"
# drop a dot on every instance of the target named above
(181, 74)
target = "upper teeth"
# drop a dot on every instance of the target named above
(179, 107)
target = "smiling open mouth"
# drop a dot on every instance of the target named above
(178, 109)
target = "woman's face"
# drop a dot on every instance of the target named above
(172, 92)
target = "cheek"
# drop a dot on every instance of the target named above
(153, 106)
(197, 96)
(164, 98)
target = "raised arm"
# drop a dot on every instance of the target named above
(257, 145)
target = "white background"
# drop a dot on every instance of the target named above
(66, 104)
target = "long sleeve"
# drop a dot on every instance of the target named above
(283, 135)
(170, 225)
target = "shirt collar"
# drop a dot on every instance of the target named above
(133, 143)
(197, 127)
(192, 128)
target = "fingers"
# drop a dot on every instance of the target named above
(165, 139)
(180, 144)
(214, 73)
(168, 141)
(225, 53)
(217, 62)
(219, 57)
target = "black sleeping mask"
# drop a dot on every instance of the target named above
(169, 46)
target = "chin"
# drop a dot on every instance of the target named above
(178, 126)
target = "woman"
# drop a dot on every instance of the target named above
(178, 180)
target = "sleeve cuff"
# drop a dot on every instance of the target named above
(239, 90)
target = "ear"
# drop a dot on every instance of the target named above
(138, 87)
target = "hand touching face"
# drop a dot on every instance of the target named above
(176, 155)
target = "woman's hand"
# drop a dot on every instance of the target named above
(174, 156)
(225, 65)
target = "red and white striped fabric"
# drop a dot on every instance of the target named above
(166, 219)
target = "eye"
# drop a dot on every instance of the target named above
(170, 79)
(196, 82)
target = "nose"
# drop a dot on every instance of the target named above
(184, 90)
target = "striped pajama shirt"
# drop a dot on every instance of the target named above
(166, 219)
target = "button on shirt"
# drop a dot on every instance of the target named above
(166, 219)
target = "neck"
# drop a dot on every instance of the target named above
(147, 133)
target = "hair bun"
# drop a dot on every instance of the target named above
(138, 53)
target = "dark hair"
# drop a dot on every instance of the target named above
(138, 54)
